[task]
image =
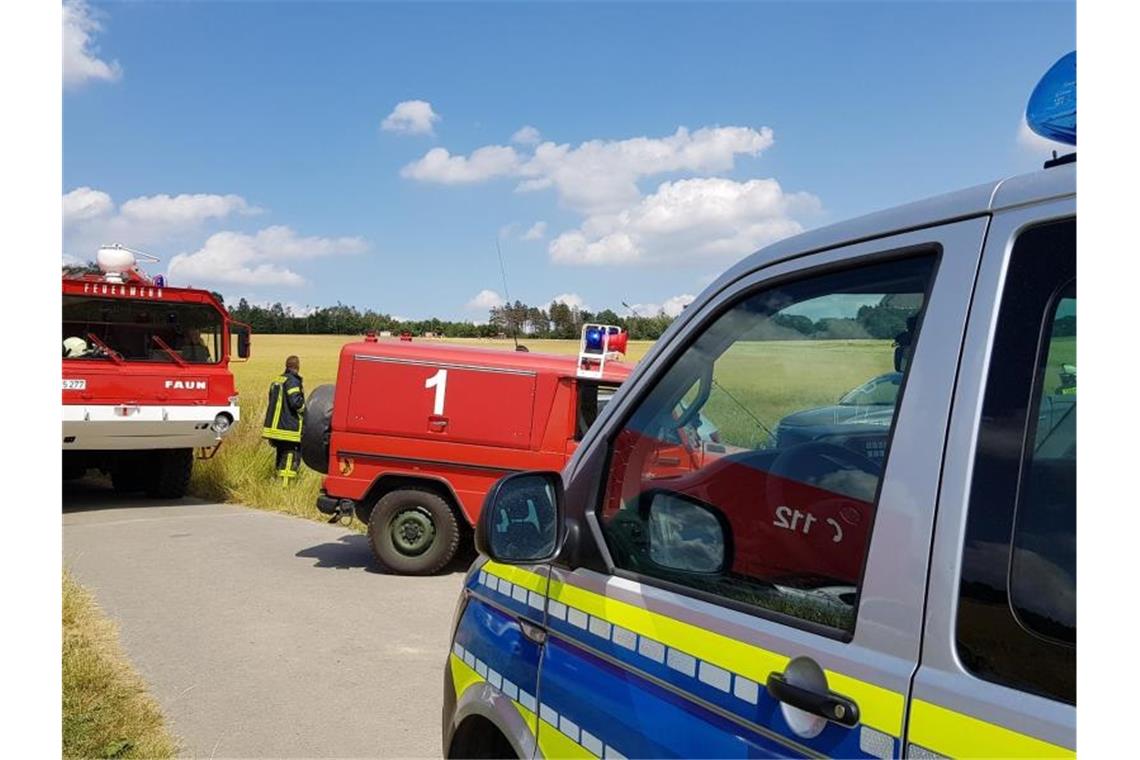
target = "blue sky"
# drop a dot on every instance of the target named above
(245, 143)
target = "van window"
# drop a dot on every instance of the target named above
(1043, 574)
(1017, 596)
(750, 471)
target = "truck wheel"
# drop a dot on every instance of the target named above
(125, 479)
(170, 473)
(318, 425)
(413, 532)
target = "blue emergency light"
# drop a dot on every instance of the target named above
(1052, 108)
(595, 339)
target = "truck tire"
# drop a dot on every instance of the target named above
(126, 479)
(170, 473)
(317, 427)
(413, 532)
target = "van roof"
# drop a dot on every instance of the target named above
(418, 350)
(1045, 184)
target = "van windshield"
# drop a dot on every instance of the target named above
(110, 329)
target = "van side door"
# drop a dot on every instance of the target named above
(998, 670)
(765, 601)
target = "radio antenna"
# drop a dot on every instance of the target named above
(507, 294)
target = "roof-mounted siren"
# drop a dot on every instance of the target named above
(120, 264)
(1052, 108)
(599, 344)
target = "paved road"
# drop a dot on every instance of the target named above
(263, 635)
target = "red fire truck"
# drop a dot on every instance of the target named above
(413, 434)
(146, 379)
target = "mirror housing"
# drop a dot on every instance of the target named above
(521, 522)
(242, 332)
(684, 535)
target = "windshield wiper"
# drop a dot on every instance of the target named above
(173, 354)
(109, 352)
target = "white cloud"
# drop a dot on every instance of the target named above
(597, 175)
(687, 219)
(537, 231)
(80, 54)
(84, 203)
(241, 258)
(184, 210)
(527, 135)
(1031, 141)
(573, 300)
(438, 165)
(484, 300)
(411, 117)
(90, 218)
(671, 307)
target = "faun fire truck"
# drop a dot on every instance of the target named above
(146, 379)
(413, 434)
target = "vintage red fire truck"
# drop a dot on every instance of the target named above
(414, 433)
(146, 378)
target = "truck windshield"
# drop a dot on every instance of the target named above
(141, 331)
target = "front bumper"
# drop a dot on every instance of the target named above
(129, 427)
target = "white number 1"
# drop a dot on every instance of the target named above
(439, 382)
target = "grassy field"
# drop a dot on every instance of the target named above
(242, 471)
(106, 709)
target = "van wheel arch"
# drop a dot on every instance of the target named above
(478, 737)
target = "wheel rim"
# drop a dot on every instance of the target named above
(412, 531)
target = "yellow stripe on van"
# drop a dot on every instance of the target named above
(464, 677)
(957, 735)
(555, 744)
(517, 576)
(879, 708)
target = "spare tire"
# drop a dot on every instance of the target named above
(317, 427)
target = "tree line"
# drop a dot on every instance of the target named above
(559, 320)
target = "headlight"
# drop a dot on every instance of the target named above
(222, 423)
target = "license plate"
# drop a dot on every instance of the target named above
(74, 384)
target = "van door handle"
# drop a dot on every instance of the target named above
(826, 704)
(437, 424)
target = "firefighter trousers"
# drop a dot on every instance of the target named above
(288, 459)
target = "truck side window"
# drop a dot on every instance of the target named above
(750, 471)
(592, 399)
(1017, 600)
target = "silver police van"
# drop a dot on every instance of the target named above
(832, 513)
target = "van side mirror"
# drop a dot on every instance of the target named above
(521, 522)
(686, 535)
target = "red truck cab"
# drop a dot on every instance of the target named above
(415, 433)
(146, 376)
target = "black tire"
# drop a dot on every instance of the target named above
(170, 473)
(407, 513)
(126, 479)
(317, 427)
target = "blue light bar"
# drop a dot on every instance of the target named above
(594, 339)
(1052, 108)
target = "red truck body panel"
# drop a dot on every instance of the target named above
(460, 416)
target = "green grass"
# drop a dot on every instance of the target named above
(107, 711)
(772, 379)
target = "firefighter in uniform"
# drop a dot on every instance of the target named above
(284, 417)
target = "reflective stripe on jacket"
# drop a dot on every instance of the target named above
(285, 413)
